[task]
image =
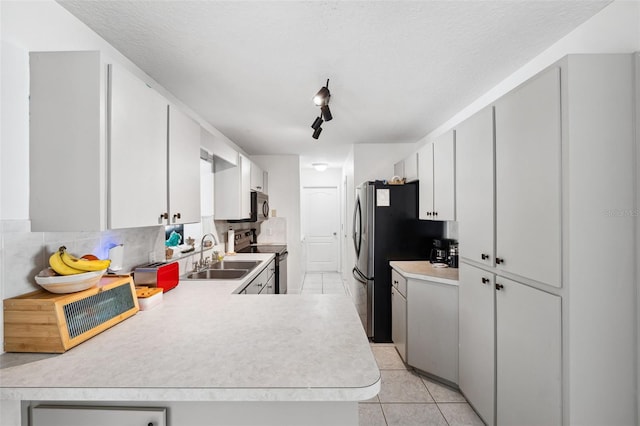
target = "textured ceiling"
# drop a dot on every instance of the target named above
(398, 69)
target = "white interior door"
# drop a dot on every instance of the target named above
(321, 225)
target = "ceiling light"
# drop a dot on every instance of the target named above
(321, 167)
(326, 113)
(317, 132)
(322, 97)
(317, 123)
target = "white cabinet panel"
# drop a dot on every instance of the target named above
(67, 136)
(60, 415)
(436, 172)
(257, 178)
(184, 169)
(477, 340)
(399, 313)
(425, 174)
(444, 206)
(474, 187)
(528, 180)
(528, 351)
(432, 328)
(233, 191)
(137, 153)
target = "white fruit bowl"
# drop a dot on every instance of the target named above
(54, 283)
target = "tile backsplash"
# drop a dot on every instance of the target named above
(23, 253)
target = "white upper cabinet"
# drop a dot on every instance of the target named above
(233, 191)
(436, 171)
(137, 152)
(425, 188)
(99, 157)
(98, 145)
(257, 178)
(184, 168)
(528, 180)
(474, 187)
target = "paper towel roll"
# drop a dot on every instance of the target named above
(230, 241)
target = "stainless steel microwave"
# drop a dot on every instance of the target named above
(259, 208)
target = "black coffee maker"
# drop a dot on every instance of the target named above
(444, 251)
(439, 251)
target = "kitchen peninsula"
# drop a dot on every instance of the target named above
(213, 357)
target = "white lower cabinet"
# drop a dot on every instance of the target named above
(432, 328)
(69, 415)
(399, 313)
(528, 355)
(477, 340)
(510, 350)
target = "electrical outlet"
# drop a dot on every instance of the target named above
(152, 256)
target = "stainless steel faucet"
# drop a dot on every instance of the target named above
(215, 243)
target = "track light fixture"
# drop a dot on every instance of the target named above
(321, 99)
(326, 113)
(317, 123)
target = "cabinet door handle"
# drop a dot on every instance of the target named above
(428, 213)
(176, 216)
(435, 213)
(485, 280)
(164, 215)
(484, 256)
(499, 260)
(499, 286)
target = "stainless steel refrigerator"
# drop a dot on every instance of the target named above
(385, 228)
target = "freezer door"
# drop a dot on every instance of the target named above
(363, 218)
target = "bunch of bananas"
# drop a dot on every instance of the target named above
(64, 263)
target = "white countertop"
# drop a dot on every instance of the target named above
(205, 344)
(424, 270)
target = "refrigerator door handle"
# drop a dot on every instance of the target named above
(357, 220)
(359, 276)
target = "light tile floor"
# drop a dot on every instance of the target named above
(406, 398)
(323, 283)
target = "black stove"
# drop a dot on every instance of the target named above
(278, 249)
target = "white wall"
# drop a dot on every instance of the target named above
(348, 253)
(374, 161)
(284, 196)
(616, 29)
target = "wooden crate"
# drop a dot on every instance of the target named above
(47, 322)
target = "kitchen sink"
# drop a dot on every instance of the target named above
(234, 264)
(218, 274)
